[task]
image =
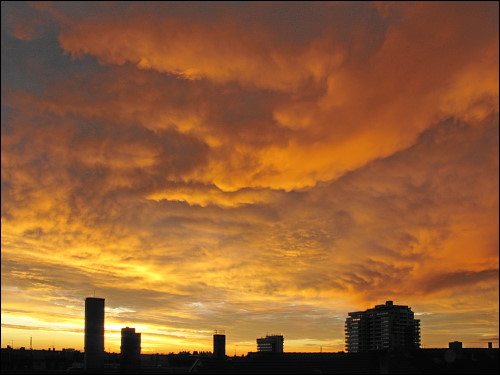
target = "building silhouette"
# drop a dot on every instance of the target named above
(94, 334)
(384, 327)
(455, 345)
(130, 350)
(219, 344)
(270, 344)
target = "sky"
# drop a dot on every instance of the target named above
(253, 167)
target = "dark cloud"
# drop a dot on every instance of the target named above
(461, 280)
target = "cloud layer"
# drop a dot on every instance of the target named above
(257, 167)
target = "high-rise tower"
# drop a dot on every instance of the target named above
(219, 344)
(385, 327)
(94, 334)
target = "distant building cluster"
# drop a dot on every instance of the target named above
(383, 339)
(384, 327)
(130, 349)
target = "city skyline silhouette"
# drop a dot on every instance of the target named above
(389, 323)
(383, 339)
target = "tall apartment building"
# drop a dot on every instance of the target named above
(94, 334)
(271, 344)
(384, 327)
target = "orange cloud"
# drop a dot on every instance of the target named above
(412, 74)
(321, 158)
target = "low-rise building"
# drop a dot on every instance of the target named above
(271, 344)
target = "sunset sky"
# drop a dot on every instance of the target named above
(257, 167)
